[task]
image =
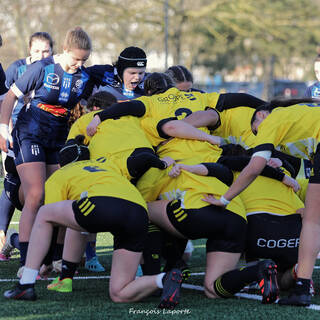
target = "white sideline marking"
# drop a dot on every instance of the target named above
(184, 285)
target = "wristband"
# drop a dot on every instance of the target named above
(224, 201)
(4, 132)
(164, 164)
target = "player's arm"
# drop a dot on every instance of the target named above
(254, 168)
(180, 129)
(210, 169)
(233, 100)
(205, 118)
(134, 108)
(6, 111)
(142, 162)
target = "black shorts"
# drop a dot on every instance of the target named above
(126, 220)
(225, 230)
(11, 186)
(274, 237)
(33, 149)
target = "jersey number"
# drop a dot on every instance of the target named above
(182, 111)
(93, 169)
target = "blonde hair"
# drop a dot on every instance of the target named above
(77, 38)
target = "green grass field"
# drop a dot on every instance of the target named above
(90, 299)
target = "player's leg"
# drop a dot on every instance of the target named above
(59, 213)
(32, 176)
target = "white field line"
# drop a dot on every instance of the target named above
(184, 285)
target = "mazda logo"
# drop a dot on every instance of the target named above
(52, 78)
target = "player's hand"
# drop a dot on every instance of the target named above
(5, 137)
(168, 160)
(92, 126)
(176, 170)
(300, 211)
(290, 182)
(215, 140)
(212, 200)
(274, 162)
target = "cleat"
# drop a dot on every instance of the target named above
(300, 296)
(58, 285)
(94, 265)
(268, 281)
(182, 265)
(54, 281)
(172, 282)
(19, 293)
(296, 299)
(7, 247)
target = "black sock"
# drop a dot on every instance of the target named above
(47, 260)
(152, 251)
(14, 241)
(233, 281)
(173, 251)
(25, 286)
(68, 269)
(23, 252)
(57, 252)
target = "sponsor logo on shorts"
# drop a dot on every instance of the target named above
(279, 243)
(35, 149)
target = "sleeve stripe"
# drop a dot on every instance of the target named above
(263, 154)
(16, 91)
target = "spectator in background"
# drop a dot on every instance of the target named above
(313, 91)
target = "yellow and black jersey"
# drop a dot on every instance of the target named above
(188, 187)
(266, 195)
(189, 151)
(117, 139)
(303, 182)
(235, 126)
(294, 130)
(172, 104)
(80, 126)
(176, 103)
(89, 179)
(152, 129)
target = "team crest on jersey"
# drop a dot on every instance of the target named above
(78, 86)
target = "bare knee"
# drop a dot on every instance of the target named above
(34, 197)
(116, 296)
(209, 291)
